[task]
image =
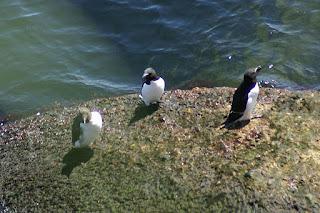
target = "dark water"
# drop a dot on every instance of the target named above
(69, 50)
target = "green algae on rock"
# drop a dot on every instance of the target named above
(171, 157)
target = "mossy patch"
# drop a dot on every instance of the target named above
(167, 158)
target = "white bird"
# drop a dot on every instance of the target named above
(86, 127)
(152, 87)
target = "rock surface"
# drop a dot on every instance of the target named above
(169, 158)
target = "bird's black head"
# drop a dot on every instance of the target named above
(149, 75)
(251, 75)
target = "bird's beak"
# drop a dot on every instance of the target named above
(258, 69)
(144, 76)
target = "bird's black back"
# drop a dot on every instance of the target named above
(240, 98)
(239, 102)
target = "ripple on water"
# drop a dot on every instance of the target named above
(63, 50)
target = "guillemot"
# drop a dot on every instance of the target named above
(86, 127)
(152, 87)
(244, 98)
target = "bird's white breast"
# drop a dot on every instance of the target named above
(252, 99)
(96, 119)
(90, 131)
(153, 92)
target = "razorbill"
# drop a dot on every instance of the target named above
(244, 98)
(86, 127)
(152, 87)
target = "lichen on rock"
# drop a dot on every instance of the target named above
(171, 157)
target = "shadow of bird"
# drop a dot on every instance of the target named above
(74, 158)
(143, 111)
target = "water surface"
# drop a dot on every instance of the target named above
(69, 50)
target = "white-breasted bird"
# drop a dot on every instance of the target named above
(152, 87)
(245, 97)
(86, 127)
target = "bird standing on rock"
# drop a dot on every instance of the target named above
(244, 98)
(152, 87)
(86, 127)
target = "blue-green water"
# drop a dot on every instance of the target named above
(69, 50)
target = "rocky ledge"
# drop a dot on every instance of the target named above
(168, 158)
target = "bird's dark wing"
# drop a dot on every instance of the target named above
(240, 99)
(233, 116)
(239, 103)
(76, 128)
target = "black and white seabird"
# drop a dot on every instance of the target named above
(86, 127)
(244, 98)
(152, 87)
